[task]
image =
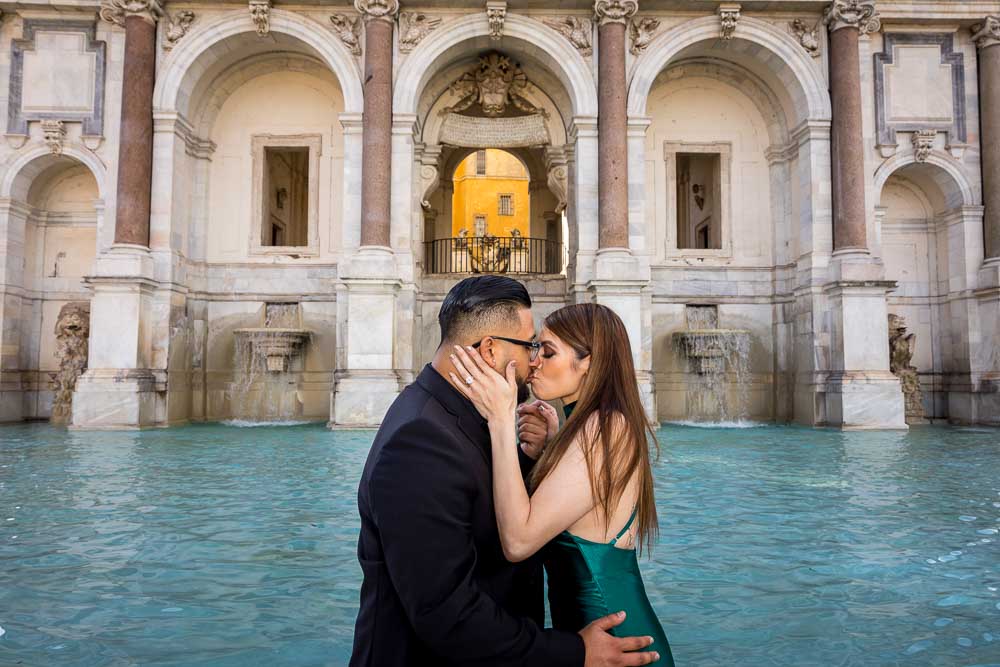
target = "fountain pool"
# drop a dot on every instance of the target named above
(217, 545)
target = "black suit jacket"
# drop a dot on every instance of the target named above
(437, 589)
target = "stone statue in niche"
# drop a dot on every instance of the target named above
(493, 84)
(280, 198)
(72, 334)
(901, 348)
(699, 195)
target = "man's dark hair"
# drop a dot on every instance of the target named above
(480, 302)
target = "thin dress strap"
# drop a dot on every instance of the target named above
(625, 529)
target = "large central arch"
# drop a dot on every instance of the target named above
(545, 44)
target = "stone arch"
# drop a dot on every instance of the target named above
(185, 67)
(27, 166)
(949, 180)
(205, 111)
(777, 52)
(536, 39)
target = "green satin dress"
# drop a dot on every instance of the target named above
(588, 580)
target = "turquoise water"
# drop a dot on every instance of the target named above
(217, 545)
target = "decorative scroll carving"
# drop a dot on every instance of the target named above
(901, 348)
(808, 37)
(496, 12)
(381, 10)
(348, 29)
(859, 14)
(72, 349)
(413, 27)
(987, 33)
(115, 11)
(476, 132)
(557, 175)
(923, 143)
(54, 133)
(494, 83)
(260, 14)
(641, 32)
(615, 11)
(729, 15)
(177, 27)
(576, 29)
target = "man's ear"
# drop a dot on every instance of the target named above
(488, 352)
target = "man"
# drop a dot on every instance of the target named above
(437, 589)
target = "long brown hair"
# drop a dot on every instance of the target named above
(609, 389)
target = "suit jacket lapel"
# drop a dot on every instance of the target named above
(470, 422)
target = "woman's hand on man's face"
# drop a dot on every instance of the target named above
(494, 394)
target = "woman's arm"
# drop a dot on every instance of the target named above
(525, 523)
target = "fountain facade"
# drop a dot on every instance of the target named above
(267, 366)
(718, 376)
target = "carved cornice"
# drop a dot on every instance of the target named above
(614, 11)
(858, 14)
(115, 11)
(987, 33)
(377, 10)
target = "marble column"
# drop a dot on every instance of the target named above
(379, 17)
(122, 388)
(984, 363)
(373, 302)
(135, 142)
(612, 17)
(846, 20)
(987, 38)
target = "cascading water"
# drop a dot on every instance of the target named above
(266, 385)
(710, 351)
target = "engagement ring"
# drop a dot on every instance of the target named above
(468, 379)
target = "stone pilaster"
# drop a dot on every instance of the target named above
(987, 38)
(859, 390)
(120, 389)
(370, 296)
(985, 379)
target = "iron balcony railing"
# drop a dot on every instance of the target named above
(493, 254)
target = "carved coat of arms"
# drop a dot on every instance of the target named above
(493, 84)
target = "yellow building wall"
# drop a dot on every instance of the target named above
(480, 195)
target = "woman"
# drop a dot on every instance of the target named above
(589, 498)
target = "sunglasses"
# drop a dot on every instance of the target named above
(533, 346)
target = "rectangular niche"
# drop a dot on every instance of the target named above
(901, 106)
(285, 194)
(698, 198)
(64, 64)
